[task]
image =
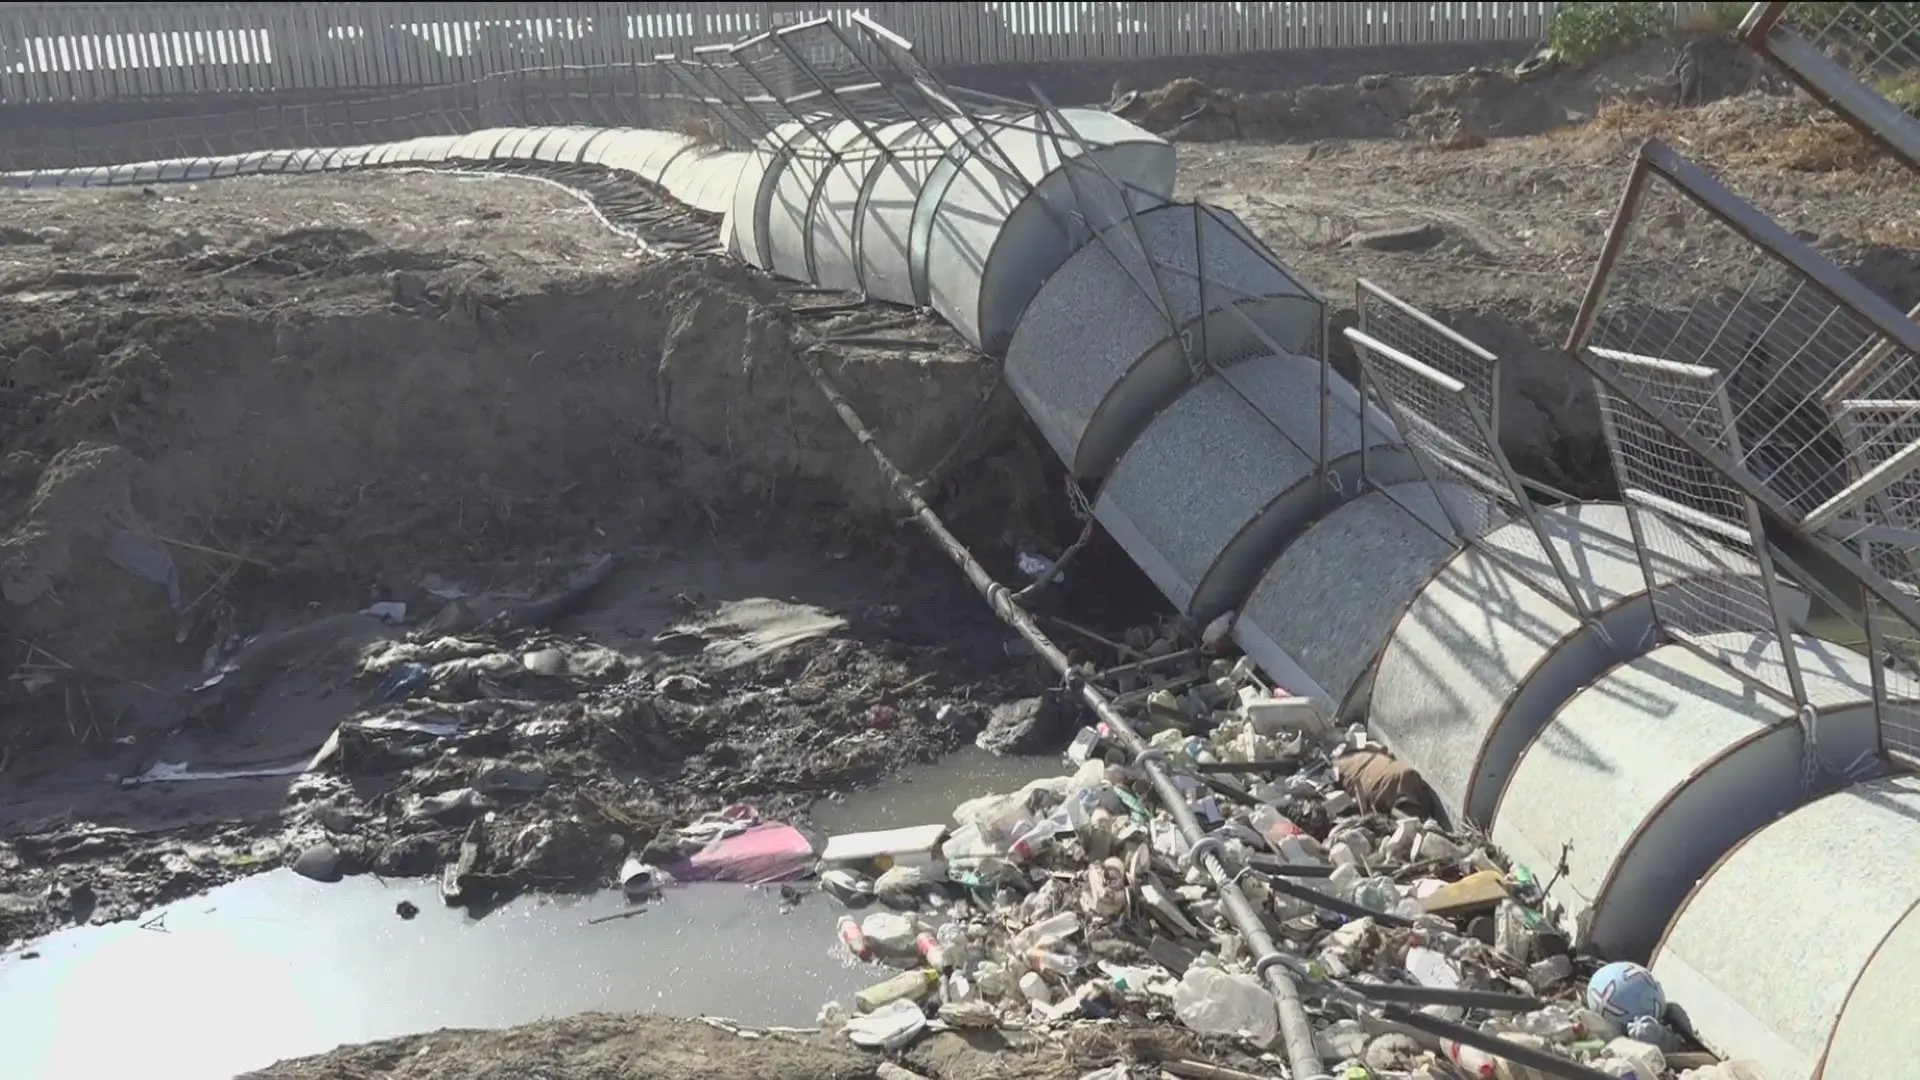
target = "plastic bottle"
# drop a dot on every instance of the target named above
(1036, 989)
(906, 986)
(1647, 1061)
(854, 939)
(1041, 958)
(930, 950)
(1273, 826)
(1472, 1061)
(1053, 928)
(953, 939)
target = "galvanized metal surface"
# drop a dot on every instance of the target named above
(1209, 469)
(1095, 355)
(1487, 652)
(888, 204)
(1330, 600)
(1646, 777)
(701, 176)
(995, 239)
(1807, 921)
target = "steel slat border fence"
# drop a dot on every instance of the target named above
(55, 52)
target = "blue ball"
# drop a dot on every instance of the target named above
(1623, 992)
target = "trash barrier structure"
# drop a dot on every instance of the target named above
(1626, 695)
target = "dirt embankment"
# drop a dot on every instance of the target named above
(1455, 109)
(1511, 227)
(239, 413)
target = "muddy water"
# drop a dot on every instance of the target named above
(278, 966)
(927, 794)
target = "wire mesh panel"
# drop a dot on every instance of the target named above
(1442, 392)
(1459, 431)
(1863, 60)
(1691, 274)
(1702, 516)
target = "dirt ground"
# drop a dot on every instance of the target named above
(657, 574)
(1515, 225)
(257, 407)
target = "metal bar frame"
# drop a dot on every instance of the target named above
(1507, 482)
(1051, 116)
(1765, 30)
(1756, 533)
(1656, 158)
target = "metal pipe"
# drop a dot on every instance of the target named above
(1276, 968)
(1302, 1058)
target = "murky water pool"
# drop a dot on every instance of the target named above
(277, 966)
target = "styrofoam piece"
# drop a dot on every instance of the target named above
(992, 241)
(789, 232)
(1798, 949)
(1489, 649)
(886, 223)
(1096, 355)
(1646, 777)
(1328, 603)
(909, 844)
(1214, 488)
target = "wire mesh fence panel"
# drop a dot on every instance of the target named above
(1728, 290)
(1862, 59)
(1685, 509)
(1459, 430)
(1876, 433)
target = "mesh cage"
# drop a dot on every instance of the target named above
(1686, 510)
(1446, 404)
(1702, 279)
(1442, 392)
(1863, 60)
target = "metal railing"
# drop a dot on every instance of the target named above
(1862, 60)
(103, 52)
(1743, 375)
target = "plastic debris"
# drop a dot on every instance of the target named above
(1074, 900)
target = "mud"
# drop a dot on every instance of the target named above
(242, 412)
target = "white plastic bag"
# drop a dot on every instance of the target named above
(1213, 1002)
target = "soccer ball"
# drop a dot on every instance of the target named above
(1624, 992)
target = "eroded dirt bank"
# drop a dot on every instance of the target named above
(241, 414)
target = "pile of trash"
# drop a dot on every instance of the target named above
(1075, 900)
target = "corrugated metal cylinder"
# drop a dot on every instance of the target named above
(1799, 949)
(1646, 777)
(1095, 356)
(1330, 600)
(1220, 483)
(992, 241)
(1486, 653)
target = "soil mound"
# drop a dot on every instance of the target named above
(1457, 109)
(293, 389)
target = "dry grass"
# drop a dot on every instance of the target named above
(1817, 146)
(703, 130)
